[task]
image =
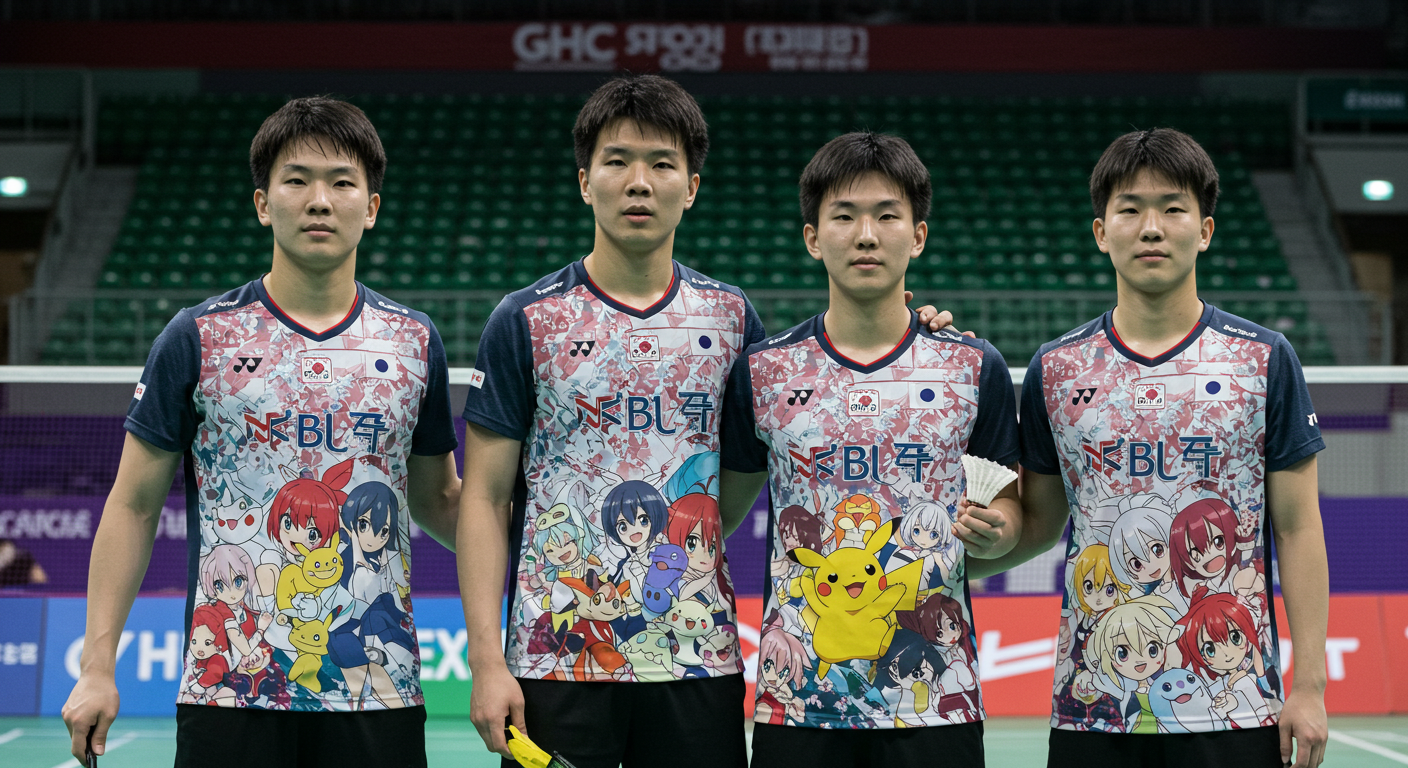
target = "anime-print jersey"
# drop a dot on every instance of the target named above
(296, 450)
(867, 622)
(1167, 621)
(616, 544)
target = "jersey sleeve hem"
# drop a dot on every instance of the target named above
(1306, 450)
(152, 436)
(1040, 469)
(494, 425)
(438, 449)
(732, 464)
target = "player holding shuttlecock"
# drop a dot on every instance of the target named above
(873, 429)
(1203, 415)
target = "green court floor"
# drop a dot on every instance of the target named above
(138, 742)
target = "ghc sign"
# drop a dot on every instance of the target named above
(671, 47)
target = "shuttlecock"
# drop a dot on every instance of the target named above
(985, 479)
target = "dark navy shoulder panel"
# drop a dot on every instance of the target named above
(239, 297)
(794, 335)
(547, 286)
(374, 299)
(702, 282)
(1079, 334)
(1229, 324)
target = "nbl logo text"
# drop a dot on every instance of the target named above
(310, 430)
(640, 413)
(1144, 458)
(858, 463)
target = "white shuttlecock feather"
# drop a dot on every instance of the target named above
(985, 479)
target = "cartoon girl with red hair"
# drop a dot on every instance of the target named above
(1220, 643)
(694, 526)
(207, 674)
(305, 511)
(1204, 551)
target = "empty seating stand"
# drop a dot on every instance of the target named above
(481, 195)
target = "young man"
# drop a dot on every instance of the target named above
(859, 418)
(311, 411)
(592, 427)
(1184, 438)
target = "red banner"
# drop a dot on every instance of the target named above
(1366, 652)
(685, 47)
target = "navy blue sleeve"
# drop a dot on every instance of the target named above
(163, 409)
(740, 450)
(502, 390)
(1038, 444)
(434, 434)
(1292, 432)
(994, 435)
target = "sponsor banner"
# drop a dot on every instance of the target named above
(600, 46)
(150, 651)
(21, 633)
(1395, 628)
(1355, 660)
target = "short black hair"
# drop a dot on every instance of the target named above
(847, 157)
(1170, 153)
(649, 100)
(316, 119)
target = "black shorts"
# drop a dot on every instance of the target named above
(216, 737)
(1248, 748)
(949, 746)
(696, 723)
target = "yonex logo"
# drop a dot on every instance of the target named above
(582, 348)
(1312, 419)
(704, 282)
(1070, 335)
(549, 289)
(1083, 395)
(1239, 331)
(393, 307)
(800, 396)
(247, 364)
(230, 303)
(779, 338)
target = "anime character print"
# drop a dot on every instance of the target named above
(869, 624)
(617, 409)
(1164, 464)
(301, 570)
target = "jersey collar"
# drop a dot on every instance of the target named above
(819, 331)
(293, 325)
(1107, 322)
(580, 269)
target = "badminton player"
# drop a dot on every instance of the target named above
(1184, 439)
(859, 417)
(311, 412)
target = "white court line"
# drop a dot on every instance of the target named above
(1380, 736)
(11, 735)
(123, 739)
(1369, 746)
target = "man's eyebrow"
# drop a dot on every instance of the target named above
(1165, 196)
(843, 203)
(616, 148)
(295, 168)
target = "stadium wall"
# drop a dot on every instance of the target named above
(679, 47)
